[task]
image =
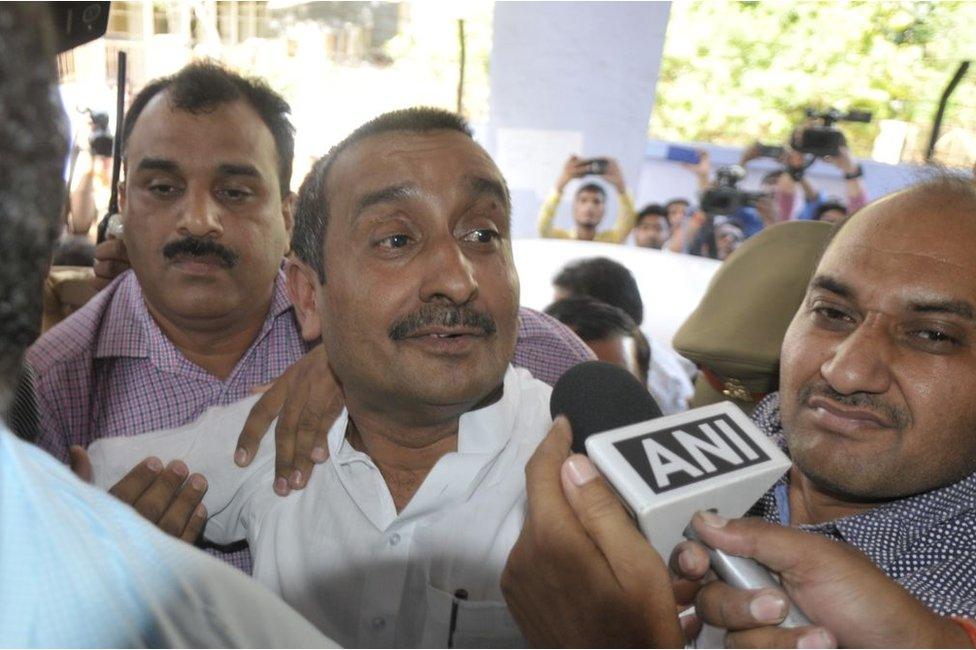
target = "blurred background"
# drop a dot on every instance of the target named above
(542, 80)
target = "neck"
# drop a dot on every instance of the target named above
(214, 344)
(584, 232)
(811, 505)
(404, 454)
(406, 444)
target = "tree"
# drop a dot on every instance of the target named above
(742, 71)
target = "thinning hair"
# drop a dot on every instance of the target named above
(202, 86)
(34, 142)
(313, 205)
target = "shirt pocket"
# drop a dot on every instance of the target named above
(477, 623)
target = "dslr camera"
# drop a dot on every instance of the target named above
(825, 139)
(725, 197)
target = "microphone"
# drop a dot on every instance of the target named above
(667, 468)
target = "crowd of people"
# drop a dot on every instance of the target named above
(710, 229)
(417, 491)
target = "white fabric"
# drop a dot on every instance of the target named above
(82, 569)
(338, 552)
(669, 378)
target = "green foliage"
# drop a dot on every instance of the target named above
(734, 72)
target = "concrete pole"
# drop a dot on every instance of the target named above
(570, 77)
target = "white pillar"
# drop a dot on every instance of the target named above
(570, 77)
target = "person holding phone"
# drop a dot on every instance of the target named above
(589, 203)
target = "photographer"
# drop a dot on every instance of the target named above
(589, 203)
(815, 201)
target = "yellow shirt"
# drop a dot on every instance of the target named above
(626, 219)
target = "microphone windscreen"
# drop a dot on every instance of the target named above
(598, 396)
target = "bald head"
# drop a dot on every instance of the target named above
(878, 367)
(920, 212)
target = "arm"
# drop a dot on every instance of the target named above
(201, 446)
(702, 170)
(306, 401)
(853, 603)
(686, 232)
(572, 168)
(854, 190)
(547, 214)
(626, 215)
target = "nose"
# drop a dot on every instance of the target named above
(861, 362)
(448, 273)
(200, 214)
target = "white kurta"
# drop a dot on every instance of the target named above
(338, 551)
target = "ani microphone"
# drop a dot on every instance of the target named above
(667, 468)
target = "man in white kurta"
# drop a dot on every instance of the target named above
(338, 551)
(401, 538)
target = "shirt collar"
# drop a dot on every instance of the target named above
(482, 431)
(903, 520)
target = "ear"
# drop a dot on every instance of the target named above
(288, 213)
(303, 289)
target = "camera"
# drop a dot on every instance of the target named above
(825, 139)
(596, 166)
(100, 140)
(726, 198)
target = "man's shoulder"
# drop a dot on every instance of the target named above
(75, 339)
(546, 347)
(131, 584)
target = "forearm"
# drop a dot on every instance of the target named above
(83, 210)
(857, 196)
(205, 446)
(626, 219)
(809, 191)
(547, 213)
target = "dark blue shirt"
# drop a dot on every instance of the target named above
(926, 542)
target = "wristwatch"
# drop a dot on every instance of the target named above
(857, 173)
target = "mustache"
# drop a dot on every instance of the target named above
(443, 316)
(200, 247)
(898, 418)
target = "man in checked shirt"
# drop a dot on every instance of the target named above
(204, 315)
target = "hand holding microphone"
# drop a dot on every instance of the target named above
(668, 468)
(581, 574)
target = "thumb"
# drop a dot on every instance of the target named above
(80, 463)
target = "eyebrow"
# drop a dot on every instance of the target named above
(388, 194)
(224, 169)
(832, 285)
(159, 164)
(960, 308)
(481, 185)
(238, 169)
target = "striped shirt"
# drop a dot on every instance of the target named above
(925, 542)
(108, 370)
